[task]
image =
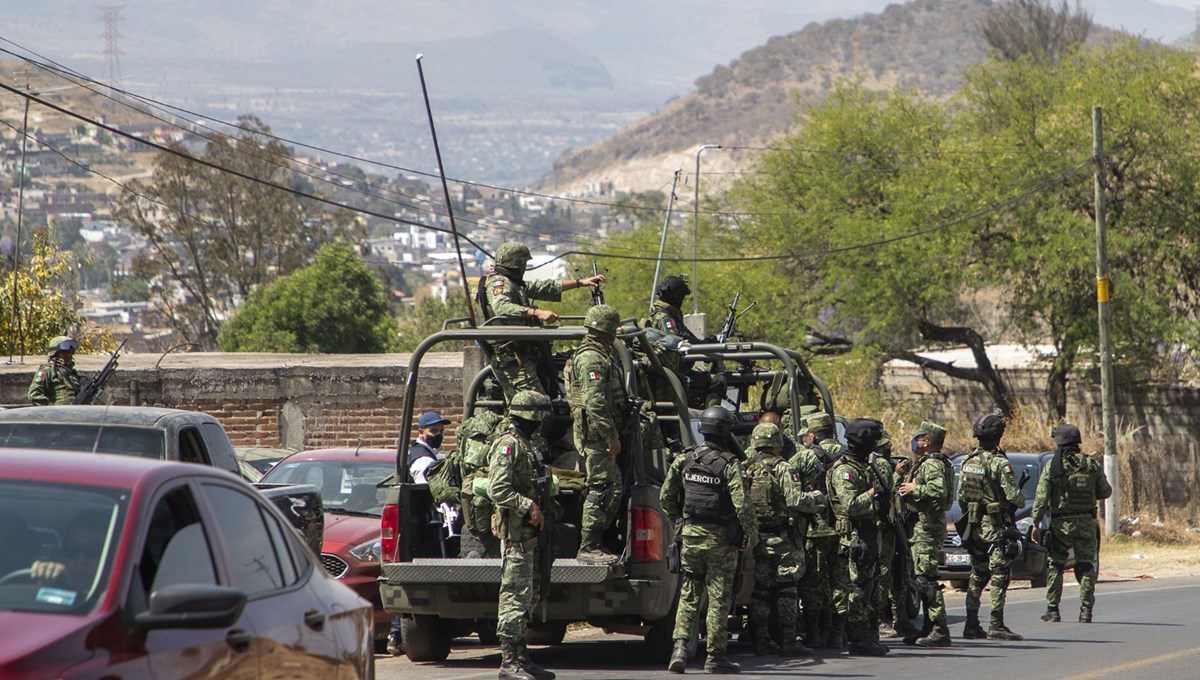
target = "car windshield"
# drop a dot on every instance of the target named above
(58, 544)
(345, 485)
(143, 442)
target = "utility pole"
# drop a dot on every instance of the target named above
(18, 337)
(1112, 506)
(696, 231)
(662, 243)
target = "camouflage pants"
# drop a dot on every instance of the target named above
(884, 597)
(516, 369)
(778, 566)
(603, 499)
(994, 570)
(927, 540)
(854, 582)
(816, 586)
(518, 590)
(1078, 533)
(707, 569)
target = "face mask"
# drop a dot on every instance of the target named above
(435, 441)
(916, 447)
(525, 427)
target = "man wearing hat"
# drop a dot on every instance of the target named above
(424, 450)
(506, 293)
(1068, 490)
(815, 453)
(56, 381)
(988, 495)
(926, 495)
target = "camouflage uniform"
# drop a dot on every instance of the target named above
(928, 502)
(515, 364)
(708, 557)
(988, 494)
(821, 546)
(512, 470)
(56, 382)
(1068, 489)
(668, 319)
(856, 569)
(473, 445)
(777, 498)
(885, 483)
(596, 391)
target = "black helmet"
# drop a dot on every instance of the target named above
(673, 289)
(989, 428)
(1066, 435)
(716, 420)
(862, 435)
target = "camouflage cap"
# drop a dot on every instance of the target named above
(818, 421)
(61, 343)
(513, 254)
(529, 405)
(603, 318)
(885, 439)
(935, 432)
(766, 436)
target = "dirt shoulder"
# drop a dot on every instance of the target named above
(1142, 557)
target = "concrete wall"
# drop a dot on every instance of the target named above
(277, 400)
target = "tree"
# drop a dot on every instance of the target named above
(1036, 29)
(214, 237)
(335, 305)
(43, 308)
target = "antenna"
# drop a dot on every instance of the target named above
(662, 243)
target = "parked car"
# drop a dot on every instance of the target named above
(955, 564)
(118, 566)
(347, 480)
(156, 433)
(256, 461)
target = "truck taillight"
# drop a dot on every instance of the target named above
(647, 535)
(389, 531)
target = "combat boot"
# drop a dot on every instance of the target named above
(510, 665)
(1052, 615)
(887, 630)
(592, 551)
(530, 667)
(1085, 614)
(393, 644)
(917, 634)
(998, 631)
(940, 637)
(678, 661)
(719, 664)
(765, 646)
(792, 646)
(862, 643)
(837, 633)
(972, 630)
(812, 630)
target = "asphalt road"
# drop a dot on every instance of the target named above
(1143, 629)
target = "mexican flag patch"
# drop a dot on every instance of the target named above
(498, 286)
(41, 374)
(848, 476)
(1008, 467)
(593, 375)
(508, 450)
(670, 325)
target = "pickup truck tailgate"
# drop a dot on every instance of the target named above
(487, 570)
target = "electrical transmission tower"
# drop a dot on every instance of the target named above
(112, 51)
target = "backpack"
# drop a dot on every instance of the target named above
(444, 479)
(763, 495)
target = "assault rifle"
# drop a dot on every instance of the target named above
(545, 499)
(96, 385)
(597, 291)
(729, 326)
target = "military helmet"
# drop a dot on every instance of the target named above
(716, 420)
(529, 405)
(989, 428)
(862, 435)
(766, 436)
(1066, 435)
(61, 343)
(603, 318)
(513, 254)
(673, 287)
(935, 432)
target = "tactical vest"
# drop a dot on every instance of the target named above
(973, 480)
(1080, 488)
(764, 496)
(705, 492)
(947, 481)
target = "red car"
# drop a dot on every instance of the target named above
(118, 566)
(347, 480)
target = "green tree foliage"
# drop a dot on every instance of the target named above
(335, 305)
(43, 308)
(422, 319)
(214, 237)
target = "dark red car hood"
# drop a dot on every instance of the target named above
(31, 641)
(343, 531)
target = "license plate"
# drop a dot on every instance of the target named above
(958, 560)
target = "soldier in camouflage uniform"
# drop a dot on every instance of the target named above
(823, 627)
(506, 293)
(512, 469)
(56, 382)
(988, 495)
(853, 495)
(926, 495)
(473, 443)
(667, 317)
(705, 489)
(596, 391)
(1068, 489)
(890, 610)
(778, 500)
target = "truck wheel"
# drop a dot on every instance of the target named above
(550, 633)
(425, 638)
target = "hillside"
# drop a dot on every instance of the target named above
(924, 44)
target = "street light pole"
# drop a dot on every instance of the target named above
(1112, 508)
(696, 229)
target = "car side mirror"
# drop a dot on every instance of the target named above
(192, 606)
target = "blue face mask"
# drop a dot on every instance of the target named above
(916, 448)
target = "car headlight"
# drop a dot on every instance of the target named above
(371, 551)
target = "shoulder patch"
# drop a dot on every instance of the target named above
(499, 285)
(508, 450)
(670, 325)
(594, 375)
(848, 476)
(41, 374)
(1008, 467)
